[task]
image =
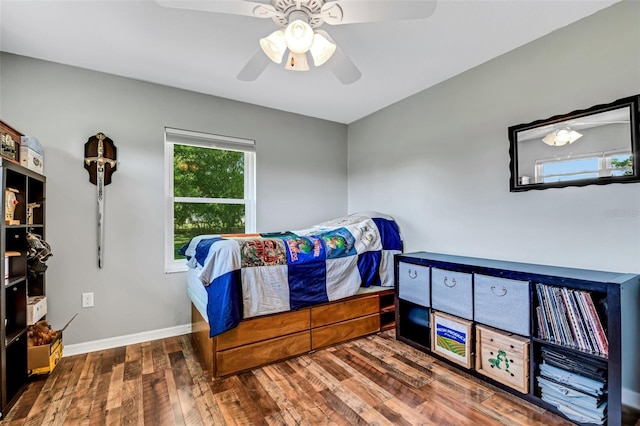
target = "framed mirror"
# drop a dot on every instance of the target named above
(595, 146)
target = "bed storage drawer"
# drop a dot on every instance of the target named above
(255, 354)
(452, 292)
(262, 328)
(504, 357)
(414, 283)
(347, 330)
(502, 303)
(341, 311)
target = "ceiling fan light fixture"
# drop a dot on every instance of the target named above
(297, 62)
(322, 49)
(274, 46)
(299, 36)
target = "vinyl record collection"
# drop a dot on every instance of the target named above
(576, 385)
(570, 318)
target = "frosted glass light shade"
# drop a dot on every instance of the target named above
(321, 49)
(561, 137)
(297, 62)
(274, 46)
(299, 36)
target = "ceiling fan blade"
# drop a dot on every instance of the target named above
(343, 67)
(233, 7)
(256, 65)
(357, 11)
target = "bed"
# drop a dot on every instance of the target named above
(258, 298)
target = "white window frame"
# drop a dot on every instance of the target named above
(174, 136)
(604, 164)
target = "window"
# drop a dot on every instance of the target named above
(595, 165)
(210, 189)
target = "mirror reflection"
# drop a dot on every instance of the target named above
(593, 146)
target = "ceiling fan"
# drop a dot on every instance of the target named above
(299, 33)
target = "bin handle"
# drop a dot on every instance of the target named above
(453, 282)
(413, 274)
(504, 291)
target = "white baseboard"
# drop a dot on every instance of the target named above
(631, 398)
(130, 339)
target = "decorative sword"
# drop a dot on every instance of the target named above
(100, 175)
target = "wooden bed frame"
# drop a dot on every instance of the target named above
(266, 339)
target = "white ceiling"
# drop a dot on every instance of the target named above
(204, 52)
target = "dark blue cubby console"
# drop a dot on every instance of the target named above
(565, 339)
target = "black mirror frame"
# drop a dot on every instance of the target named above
(632, 101)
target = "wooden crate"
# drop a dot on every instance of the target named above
(451, 338)
(503, 357)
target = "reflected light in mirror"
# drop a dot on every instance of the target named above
(561, 137)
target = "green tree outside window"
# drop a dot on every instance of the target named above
(207, 173)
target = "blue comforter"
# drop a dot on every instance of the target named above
(256, 274)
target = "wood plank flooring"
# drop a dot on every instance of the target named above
(370, 381)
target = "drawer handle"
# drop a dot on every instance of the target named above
(413, 274)
(453, 282)
(503, 293)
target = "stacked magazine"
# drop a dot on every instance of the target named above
(570, 318)
(576, 385)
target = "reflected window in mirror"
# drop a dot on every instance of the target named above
(598, 145)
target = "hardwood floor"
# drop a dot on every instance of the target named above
(373, 380)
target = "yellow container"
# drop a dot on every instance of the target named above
(44, 358)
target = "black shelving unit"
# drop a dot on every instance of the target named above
(18, 285)
(617, 296)
(387, 310)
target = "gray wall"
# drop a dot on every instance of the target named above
(301, 166)
(439, 162)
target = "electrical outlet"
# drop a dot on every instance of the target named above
(87, 300)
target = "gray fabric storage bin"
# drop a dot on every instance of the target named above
(502, 303)
(452, 292)
(414, 283)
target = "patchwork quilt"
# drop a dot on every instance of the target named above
(247, 275)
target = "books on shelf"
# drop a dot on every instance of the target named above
(569, 318)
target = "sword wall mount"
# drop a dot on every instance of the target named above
(100, 160)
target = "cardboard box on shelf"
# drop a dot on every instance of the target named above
(43, 358)
(36, 309)
(31, 159)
